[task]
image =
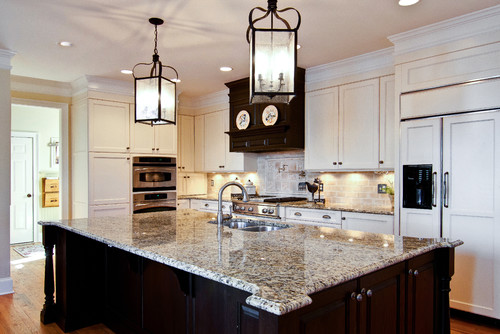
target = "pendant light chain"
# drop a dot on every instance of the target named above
(156, 40)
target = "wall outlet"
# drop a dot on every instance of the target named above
(212, 183)
(302, 186)
(382, 188)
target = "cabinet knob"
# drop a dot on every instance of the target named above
(415, 273)
(179, 167)
(381, 162)
(128, 158)
(359, 297)
(206, 205)
(153, 149)
(128, 148)
(188, 177)
(353, 295)
(29, 195)
(157, 149)
(410, 272)
(183, 167)
(369, 293)
(343, 218)
(335, 163)
(340, 162)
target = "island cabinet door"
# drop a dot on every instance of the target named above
(333, 310)
(421, 287)
(381, 301)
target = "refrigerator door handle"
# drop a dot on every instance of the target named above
(434, 192)
(446, 187)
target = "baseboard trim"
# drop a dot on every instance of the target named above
(479, 319)
(6, 286)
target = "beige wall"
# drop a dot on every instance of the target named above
(5, 280)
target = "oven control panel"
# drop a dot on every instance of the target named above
(256, 209)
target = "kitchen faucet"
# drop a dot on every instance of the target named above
(220, 216)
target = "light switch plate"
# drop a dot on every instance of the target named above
(382, 188)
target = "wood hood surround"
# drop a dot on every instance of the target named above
(286, 134)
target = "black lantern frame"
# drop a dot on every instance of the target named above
(273, 56)
(155, 95)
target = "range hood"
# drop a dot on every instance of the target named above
(265, 127)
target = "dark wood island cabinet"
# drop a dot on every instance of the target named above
(132, 288)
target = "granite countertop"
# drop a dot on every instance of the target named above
(309, 205)
(279, 268)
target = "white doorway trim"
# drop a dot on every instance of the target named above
(34, 178)
(64, 142)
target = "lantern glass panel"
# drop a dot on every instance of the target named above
(146, 99)
(274, 61)
(167, 100)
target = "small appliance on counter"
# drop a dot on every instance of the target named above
(250, 188)
(317, 185)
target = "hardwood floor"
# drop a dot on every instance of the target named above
(20, 312)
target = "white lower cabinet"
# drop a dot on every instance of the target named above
(109, 179)
(183, 203)
(367, 222)
(109, 210)
(326, 218)
(209, 205)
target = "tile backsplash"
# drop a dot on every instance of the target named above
(280, 174)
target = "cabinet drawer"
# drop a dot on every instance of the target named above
(209, 206)
(50, 185)
(50, 200)
(315, 216)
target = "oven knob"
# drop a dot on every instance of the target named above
(250, 209)
(236, 207)
(264, 210)
(242, 208)
(271, 211)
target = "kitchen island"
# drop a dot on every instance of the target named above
(173, 272)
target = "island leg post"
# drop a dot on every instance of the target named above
(446, 269)
(48, 313)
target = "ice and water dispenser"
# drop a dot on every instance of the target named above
(417, 186)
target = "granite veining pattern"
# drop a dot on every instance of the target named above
(279, 268)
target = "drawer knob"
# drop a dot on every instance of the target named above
(340, 162)
(415, 273)
(335, 163)
(359, 297)
(206, 205)
(369, 293)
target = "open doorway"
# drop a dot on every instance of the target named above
(41, 126)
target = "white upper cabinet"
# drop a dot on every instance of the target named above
(387, 139)
(199, 143)
(217, 155)
(108, 126)
(351, 127)
(185, 161)
(359, 123)
(109, 178)
(147, 139)
(322, 124)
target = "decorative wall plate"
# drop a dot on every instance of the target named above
(270, 115)
(242, 120)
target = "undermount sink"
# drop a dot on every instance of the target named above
(251, 225)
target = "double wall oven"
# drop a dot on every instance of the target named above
(154, 184)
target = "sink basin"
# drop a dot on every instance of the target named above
(251, 225)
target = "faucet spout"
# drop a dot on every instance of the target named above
(220, 216)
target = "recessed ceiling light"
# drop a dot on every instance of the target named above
(407, 2)
(226, 69)
(126, 71)
(65, 43)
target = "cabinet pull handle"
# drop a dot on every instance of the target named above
(326, 217)
(335, 163)
(369, 293)
(434, 192)
(359, 297)
(298, 214)
(446, 185)
(415, 273)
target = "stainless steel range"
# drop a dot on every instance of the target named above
(263, 206)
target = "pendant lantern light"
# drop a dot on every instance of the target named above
(155, 95)
(273, 56)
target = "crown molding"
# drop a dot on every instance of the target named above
(5, 57)
(91, 83)
(462, 27)
(40, 86)
(206, 101)
(357, 65)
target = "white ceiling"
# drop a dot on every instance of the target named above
(198, 36)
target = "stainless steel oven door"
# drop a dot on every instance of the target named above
(148, 178)
(154, 201)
